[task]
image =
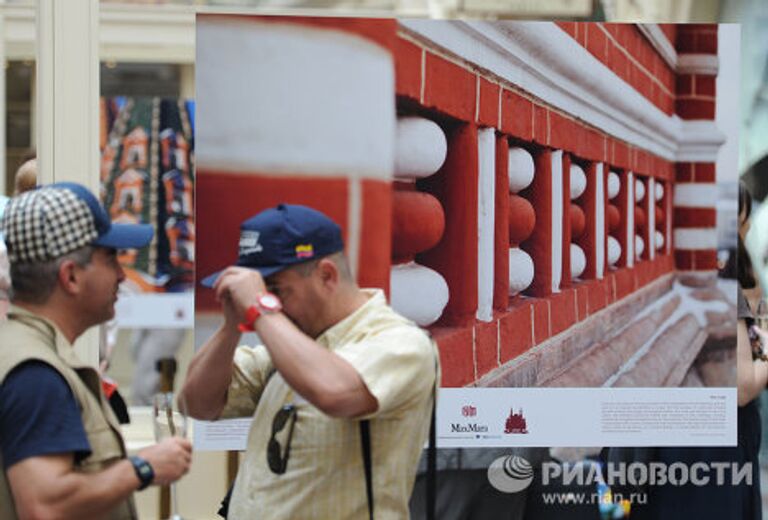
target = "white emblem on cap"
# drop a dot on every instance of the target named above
(249, 243)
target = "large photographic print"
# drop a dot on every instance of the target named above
(541, 197)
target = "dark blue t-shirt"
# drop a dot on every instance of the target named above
(39, 415)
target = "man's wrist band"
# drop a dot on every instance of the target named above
(248, 323)
(267, 303)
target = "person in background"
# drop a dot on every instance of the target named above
(25, 179)
(61, 451)
(752, 366)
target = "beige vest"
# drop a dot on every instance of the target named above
(25, 337)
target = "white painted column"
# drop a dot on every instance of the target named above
(600, 222)
(3, 114)
(630, 219)
(669, 212)
(651, 236)
(68, 104)
(68, 91)
(486, 142)
(557, 220)
(33, 109)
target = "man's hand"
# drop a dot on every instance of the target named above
(762, 334)
(170, 459)
(210, 371)
(237, 289)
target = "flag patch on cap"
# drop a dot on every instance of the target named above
(304, 251)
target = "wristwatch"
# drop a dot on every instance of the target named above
(143, 470)
(267, 303)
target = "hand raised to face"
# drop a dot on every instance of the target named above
(237, 289)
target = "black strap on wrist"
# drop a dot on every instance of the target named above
(143, 470)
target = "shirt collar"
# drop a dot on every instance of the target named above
(342, 331)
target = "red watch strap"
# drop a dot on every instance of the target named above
(251, 314)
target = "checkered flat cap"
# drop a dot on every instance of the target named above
(52, 221)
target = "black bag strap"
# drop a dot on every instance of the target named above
(365, 441)
(432, 461)
(432, 454)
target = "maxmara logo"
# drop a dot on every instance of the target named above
(468, 411)
(468, 428)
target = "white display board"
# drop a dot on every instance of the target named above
(166, 311)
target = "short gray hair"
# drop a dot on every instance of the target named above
(34, 282)
(340, 259)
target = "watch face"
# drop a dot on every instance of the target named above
(270, 302)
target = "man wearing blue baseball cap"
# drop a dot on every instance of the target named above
(61, 450)
(340, 392)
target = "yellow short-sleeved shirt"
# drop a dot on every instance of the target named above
(325, 478)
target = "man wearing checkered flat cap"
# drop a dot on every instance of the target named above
(61, 451)
(341, 392)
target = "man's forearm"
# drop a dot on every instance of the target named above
(325, 379)
(209, 375)
(68, 494)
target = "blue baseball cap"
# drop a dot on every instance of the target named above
(280, 237)
(53, 220)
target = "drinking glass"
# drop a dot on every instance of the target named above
(761, 314)
(170, 419)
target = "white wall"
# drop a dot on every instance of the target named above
(728, 112)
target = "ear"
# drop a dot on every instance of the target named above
(69, 277)
(328, 272)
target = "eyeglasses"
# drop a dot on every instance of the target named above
(277, 460)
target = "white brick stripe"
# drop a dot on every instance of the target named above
(696, 238)
(695, 195)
